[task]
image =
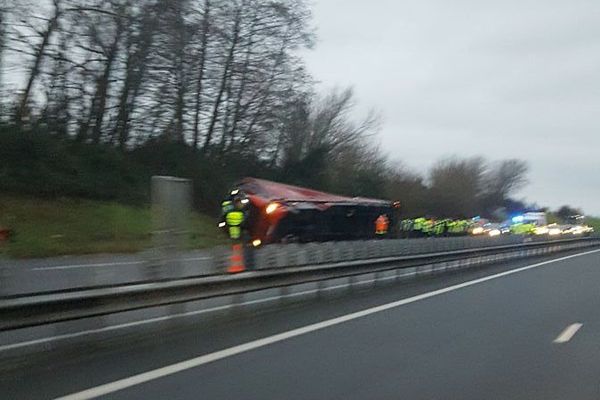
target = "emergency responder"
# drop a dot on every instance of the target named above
(451, 227)
(226, 206)
(418, 226)
(427, 228)
(439, 227)
(407, 227)
(235, 217)
(381, 225)
(237, 220)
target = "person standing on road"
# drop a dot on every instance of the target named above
(234, 218)
(237, 227)
(381, 226)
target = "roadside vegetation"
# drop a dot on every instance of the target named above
(43, 227)
(115, 92)
(594, 222)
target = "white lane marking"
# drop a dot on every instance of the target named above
(112, 328)
(194, 259)
(73, 266)
(170, 317)
(155, 319)
(568, 333)
(144, 377)
(368, 281)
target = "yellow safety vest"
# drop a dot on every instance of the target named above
(227, 206)
(234, 219)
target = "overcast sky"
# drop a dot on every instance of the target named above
(502, 79)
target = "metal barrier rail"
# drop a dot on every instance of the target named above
(281, 256)
(151, 266)
(375, 257)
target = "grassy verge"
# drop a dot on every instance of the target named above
(45, 228)
(594, 222)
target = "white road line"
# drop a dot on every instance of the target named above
(195, 259)
(113, 328)
(368, 281)
(568, 333)
(138, 379)
(154, 320)
(73, 266)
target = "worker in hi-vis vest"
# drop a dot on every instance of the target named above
(381, 225)
(234, 218)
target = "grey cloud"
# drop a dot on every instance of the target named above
(500, 79)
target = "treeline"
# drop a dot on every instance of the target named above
(114, 91)
(217, 74)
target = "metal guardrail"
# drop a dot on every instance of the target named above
(151, 266)
(276, 269)
(282, 256)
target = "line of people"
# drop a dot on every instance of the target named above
(424, 227)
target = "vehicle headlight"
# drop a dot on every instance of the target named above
(478, 230)
(494, 232)
(271, 208)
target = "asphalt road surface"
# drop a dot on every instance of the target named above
(35, 276)
(524, 330)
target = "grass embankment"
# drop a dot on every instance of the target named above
(43, 228)
(594, 222)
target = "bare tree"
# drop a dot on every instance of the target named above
(410, 190)
(139, 42)
(501, 180)
(204, 36)
(204, 72)
(39, 52)
(505, 177)
(3, 33)
(567, 211)
(330, 125)
(3, 17)
(110, 49)
(457, 187)
(234, 40)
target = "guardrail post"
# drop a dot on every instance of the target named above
(313, 254)
(328, 252)
(388, 248)
(282, 256)
(401, 247)
(372, 249)
(291, 253)
(5, 280)
(271, 252)
(359, 250)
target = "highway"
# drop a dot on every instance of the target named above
(526, 329)
(35, 276)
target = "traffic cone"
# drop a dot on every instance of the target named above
(236, 260)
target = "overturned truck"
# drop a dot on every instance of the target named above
(284, 213)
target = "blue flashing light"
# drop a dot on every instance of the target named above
(518, 219)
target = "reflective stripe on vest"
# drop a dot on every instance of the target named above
(226, 206)
(235, 232)
(234, 218)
